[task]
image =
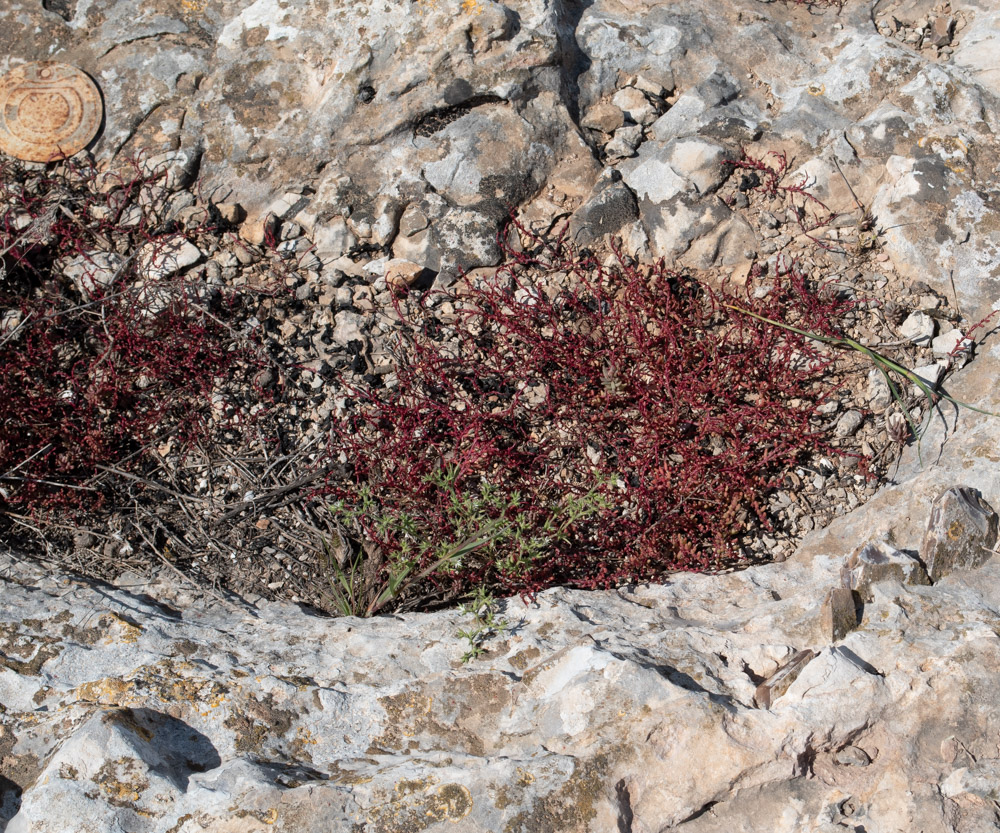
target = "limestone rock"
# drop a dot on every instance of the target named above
(146, 706)
(400, 274)
(880, 561)
(624, 143)
(162, 258)
(603, 116)
(950, 342)
(138, 706)
(94, 272)
(839, 614)
(879, 392)
(942, 29)
(930, 374)
(982, 780)
(848, 424)
(348, 327)
(918, 328)
(634, 105)
(961, 533)
(853, 756)
(610, 206)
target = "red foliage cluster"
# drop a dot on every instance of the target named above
(767, 175)
(811, 4)
(640, 383)
(89, 377)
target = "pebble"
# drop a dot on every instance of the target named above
(624, 143)
(931, 374)
(93, 272)
(343, 298)
(852, 756)
(918, 328)
(401, 274)
(946, 343)
(848, 424)
(879, 392)
(163, 258)
(634, 104)
(603, 116)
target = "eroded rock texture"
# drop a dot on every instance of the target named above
(638, 709)
(408, 129)
(447, 113)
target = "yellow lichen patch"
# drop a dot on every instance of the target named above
(305, 736)
(413, 786)
(121, 781)
(416, 804)
(269, 816)
(119, 629)
(574, 805)
(451, 801)
(408, 712)
(300, 743)
(472, 7)
(166, 679)
(107, 691)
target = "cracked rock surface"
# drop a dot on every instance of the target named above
(151, 709)
(405, 131)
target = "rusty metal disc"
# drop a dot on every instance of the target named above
(48, 111)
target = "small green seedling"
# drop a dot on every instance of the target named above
(486, 623)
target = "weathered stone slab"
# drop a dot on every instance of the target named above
(838, 615)
(779, 682)
(880, 561)
(961, 533)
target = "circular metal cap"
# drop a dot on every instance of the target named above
(48, 111)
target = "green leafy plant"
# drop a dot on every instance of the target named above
(486, 522)
(486, 624)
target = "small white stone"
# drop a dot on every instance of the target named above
(649, 86)
(347, 328)
(160, 259)
(848, 424)
(634, 105)
(918, 328)
(624, 143)
(931, 374)
(93, 272)
(947, 343)
(879, 392)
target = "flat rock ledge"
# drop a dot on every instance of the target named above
(150, 707)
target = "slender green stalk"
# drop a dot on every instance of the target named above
(883, 363)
